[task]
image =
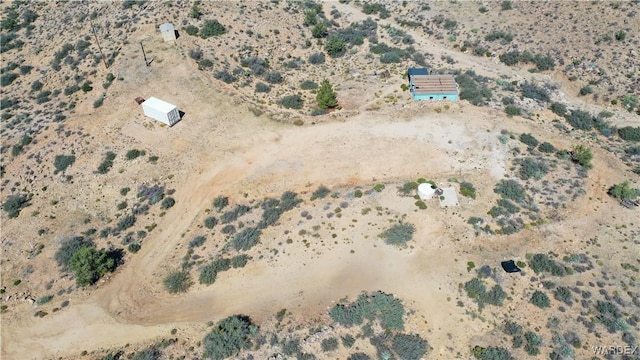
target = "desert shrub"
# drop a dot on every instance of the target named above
(233, 214)
(197, 241)
(153, 194)
(529, 140)
(624, 191)
(348, 340)
(191, 30)
(90, 264)
(225, 76)
(583, 156)
(167, 203)
(246, 239)
(532, 168)
(62, 162)
(14, 203)
(542, 263)
(563, 294)
(68, 247)
(220, 203)
(408, 187)
(409, 346)
(610, 316)
(319, 30)
(210, 222)
(510, 57)
(335, 46)
(107, 163)
(8, 78)
(544, 62)
(320, 193)
(126, 222)
(499, 35)
(359, 356)
(629, 133)
(134, 153)
(512, 110)
(150, 353)
(262, 88)
(239, 261)
(212, 28)
(467, 189)
(585, 90)
(533, 91)
(291, 102)
(581, 120)
(510, 189)
(308, 85)
(134, 247)
(228, 337)
(398, 234)
(44, 299)
(476, 290)
(546, 147)
(291, 346)
(512, 328)
(473, 88)
(177, 282)
(491, 353)
(273, 77)
(375, 306)
(329, 344)
(317, 58)
(558, 108)
(228, 229)
(540, 299)
(506, 5)
(208, 274)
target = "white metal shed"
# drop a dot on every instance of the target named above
(161, 111)
(168, 32)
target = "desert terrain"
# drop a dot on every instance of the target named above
(266, 226)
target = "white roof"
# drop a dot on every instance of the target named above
(166, 27)
(159, 104)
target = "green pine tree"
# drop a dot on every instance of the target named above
(326, 97)
(90, 264)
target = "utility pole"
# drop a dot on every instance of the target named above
(95, 35)
(143, 54)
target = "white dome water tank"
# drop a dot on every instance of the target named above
(426, 191)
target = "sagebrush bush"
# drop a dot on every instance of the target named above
(62, 162)
(246, 239)
(291, 102)
(399, 234)
(510, 189)
(262, 88)
(316, 58)
(629, 133)
(540, 299)
(329, 344)
(220, 202)
(14, 203)
(212, 28)
(531, 168)
(167, 203)
(542, 263)
(308, 85)
(177, 282)
(467, 189)
(197, 241)
(229, 336)
(210, 222)
(409, 346)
